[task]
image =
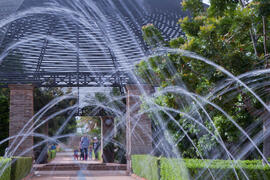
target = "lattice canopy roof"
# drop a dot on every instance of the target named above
(79, 42)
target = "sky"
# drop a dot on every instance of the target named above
(206, 1)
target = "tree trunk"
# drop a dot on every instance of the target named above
(253, 42)
(264, 42)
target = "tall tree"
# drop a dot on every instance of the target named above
(231, 34)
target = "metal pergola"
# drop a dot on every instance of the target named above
(87, 43)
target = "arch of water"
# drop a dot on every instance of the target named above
(91, 43)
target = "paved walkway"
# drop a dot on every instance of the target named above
(81, 175)
(67, 158)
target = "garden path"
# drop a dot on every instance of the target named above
(66, 159)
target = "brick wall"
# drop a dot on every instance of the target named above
(140, 132)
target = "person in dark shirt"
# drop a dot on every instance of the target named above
(96, 147)
(85, 145)
(53, 147)
(81, 151)
(90, 151)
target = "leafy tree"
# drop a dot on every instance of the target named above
(45, 95)
(195, 7)
(93, 125)
(233, 35)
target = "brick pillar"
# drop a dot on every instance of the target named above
(21, 111)
(107, 135)
(138, 132)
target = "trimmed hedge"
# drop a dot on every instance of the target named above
(153, 168)
(145, 166)
(172, 169)
(226, 169)
(6, 174)
(51, 155)
(21, 167)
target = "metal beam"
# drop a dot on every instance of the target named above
(68, 79)
(44, 47)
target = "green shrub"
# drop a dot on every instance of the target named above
(5, 175)
(51, 155)
(145, 166)
(20, 167)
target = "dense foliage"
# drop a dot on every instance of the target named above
(44, 96)
(92, 125)
(235, 36)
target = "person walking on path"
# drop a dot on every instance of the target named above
(85, 145)
(81, 151)
(76, 154)
(90, 151)
(96, 147)
(53, 147)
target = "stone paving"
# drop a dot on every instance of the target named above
(67, 158)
